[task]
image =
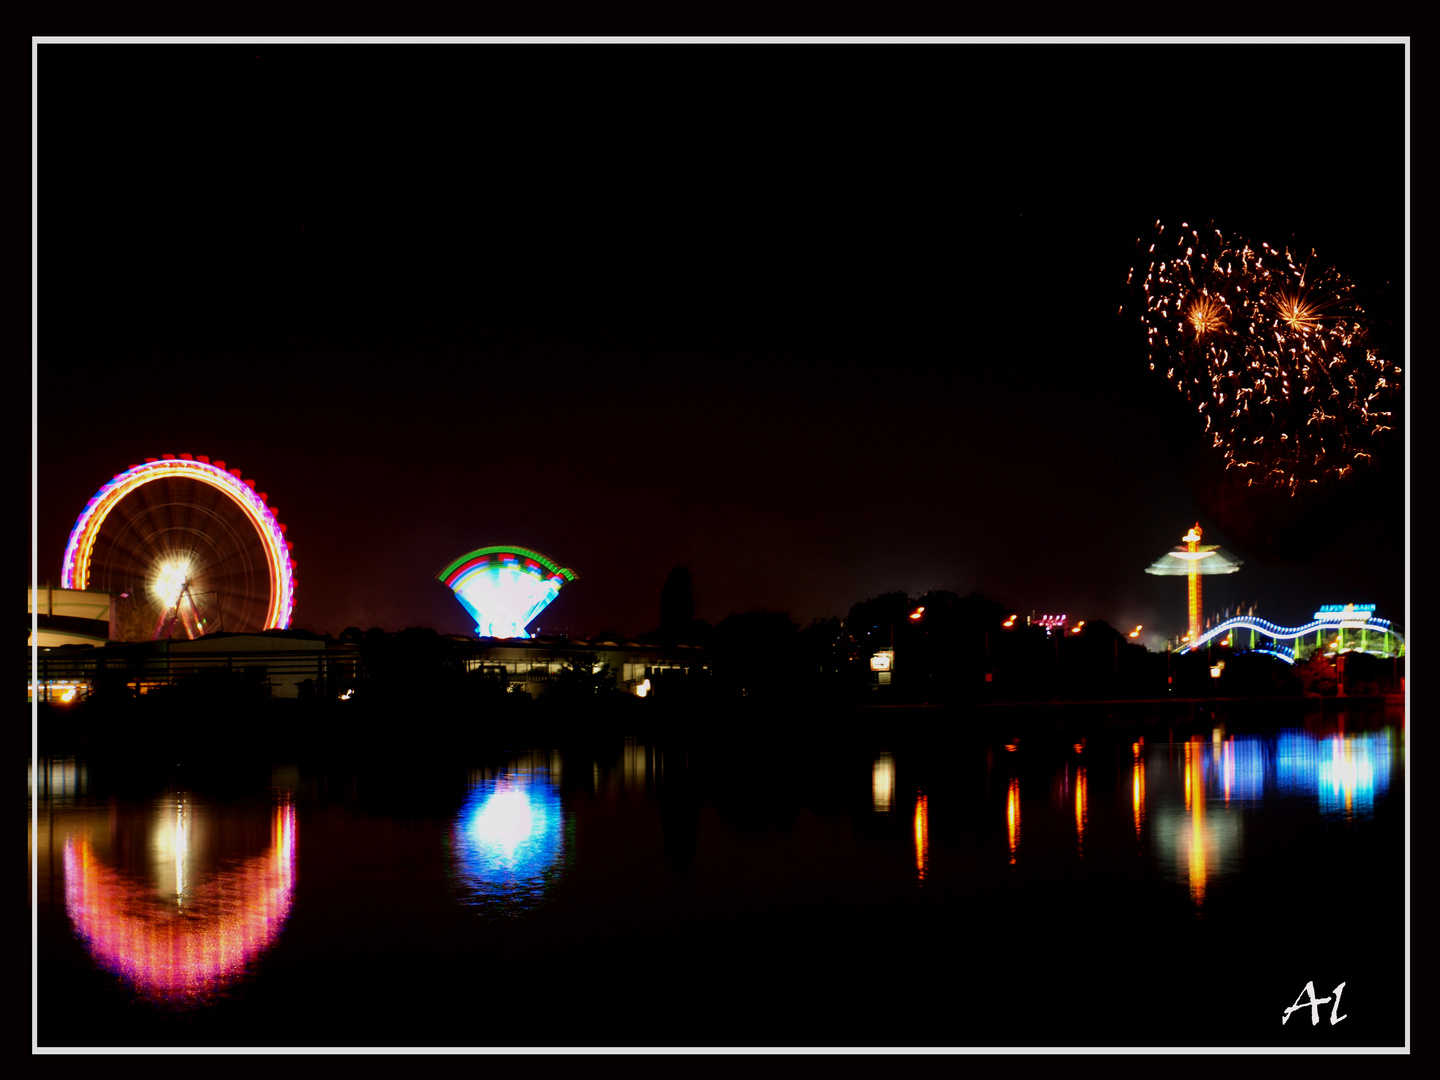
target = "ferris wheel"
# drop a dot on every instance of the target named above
(190, 546)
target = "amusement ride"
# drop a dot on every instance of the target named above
(189, 546)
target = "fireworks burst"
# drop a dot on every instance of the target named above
(1207, 316)
(1276, 356)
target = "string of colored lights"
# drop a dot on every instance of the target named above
(75, 568)
(1325, 621)
(478, 555)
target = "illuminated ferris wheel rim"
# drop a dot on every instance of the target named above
(75, 569)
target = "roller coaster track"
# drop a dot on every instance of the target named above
(1343, 632)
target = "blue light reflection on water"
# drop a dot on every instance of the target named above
(1244, 768)
(1296, 762)
(1344, 771)
(1352, 769)
(508, 843)
(1200, 821)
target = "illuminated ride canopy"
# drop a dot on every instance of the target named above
(1193, 559)
(190, 546)
(504, 587)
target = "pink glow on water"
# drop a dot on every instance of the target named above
(182, 953)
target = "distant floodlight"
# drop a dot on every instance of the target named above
(504, 587)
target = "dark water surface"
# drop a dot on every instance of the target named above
(907, 878)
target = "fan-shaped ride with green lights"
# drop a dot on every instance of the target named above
(504, 587)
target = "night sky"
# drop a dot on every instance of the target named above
(817, 322)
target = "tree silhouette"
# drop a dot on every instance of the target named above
(678, 625)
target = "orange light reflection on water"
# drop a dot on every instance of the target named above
(922, 835)
(1195, 780)
(1137, 789)
(1012, 817)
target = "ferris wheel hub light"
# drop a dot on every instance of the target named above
(170, 580)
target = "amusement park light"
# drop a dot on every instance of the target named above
(1385, 636)
(508, 843)
(1192, 560)
(75, 567)
(181, 957)
(504, 587)
(170, 580)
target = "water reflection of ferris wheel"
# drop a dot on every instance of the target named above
(191, 548)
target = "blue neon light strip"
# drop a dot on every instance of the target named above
(1269, 629)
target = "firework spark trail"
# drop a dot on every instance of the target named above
(1273, 352)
